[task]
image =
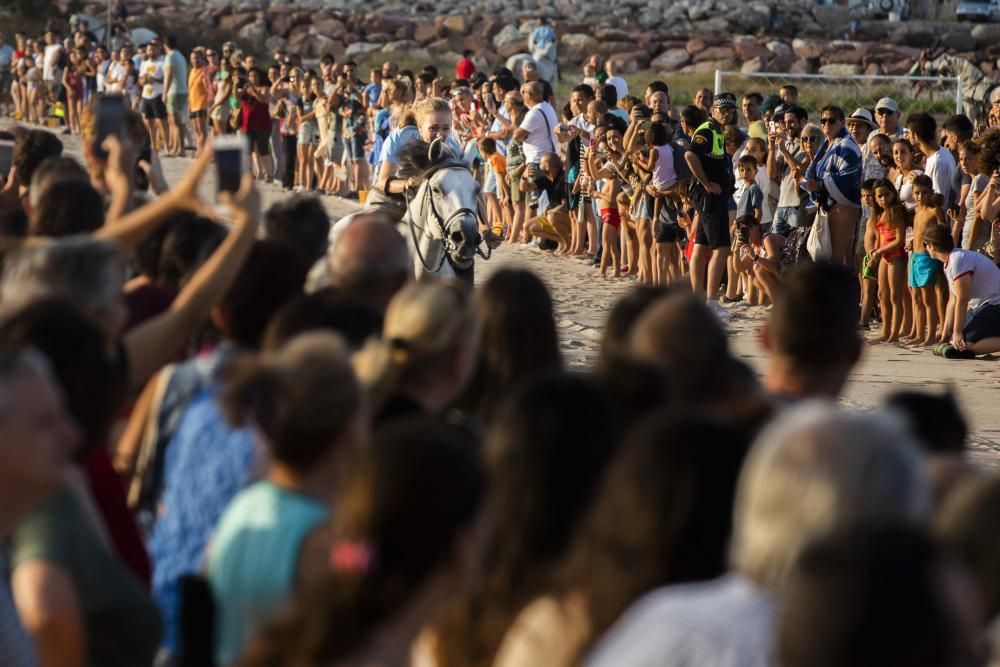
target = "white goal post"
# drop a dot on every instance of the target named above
(912, 93)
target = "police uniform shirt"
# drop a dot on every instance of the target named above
(708, 144)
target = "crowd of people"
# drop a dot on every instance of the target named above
(228, 439)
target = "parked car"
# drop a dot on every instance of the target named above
(883, 9)
(978, 10)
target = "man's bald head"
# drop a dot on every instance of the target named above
(533, 92)
(370, 260)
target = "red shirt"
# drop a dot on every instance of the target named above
(465, 68)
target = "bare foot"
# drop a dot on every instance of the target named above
(601, 274)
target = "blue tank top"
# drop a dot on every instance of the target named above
(253, 557)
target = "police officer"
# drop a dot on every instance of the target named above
(713, 175)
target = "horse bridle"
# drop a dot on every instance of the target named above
(448, 245)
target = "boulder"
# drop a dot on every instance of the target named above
(631, 61)
(840, 69)
(576, 47)
(915, 35)
(283, 23)
(425, 33)
(458, 24)
(803, 66)
(234, 22)
(361, 49)
(780, 49)
(400, 46)
(873, 69)
(696, 45)
(275, 43)
(253, 34)
(749, 20)
(331, 27)
(986, 34)
(957, 40)
(321, 44)
(747, 47)
(807, 48)
(754, 65)
(709, 67)
(715, 53)
(380, 37)
(508, 35)
(510, 49)
(671, 60)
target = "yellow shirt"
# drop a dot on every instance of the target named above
(197, 90)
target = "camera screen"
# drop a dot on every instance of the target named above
(229, 168)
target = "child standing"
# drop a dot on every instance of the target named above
(890, 221)
(869, 269)
(497, 204)
(924, 269)
(749, 204)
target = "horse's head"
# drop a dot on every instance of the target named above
(447, 204)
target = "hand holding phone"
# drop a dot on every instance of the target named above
(231, 162)
(110, 120)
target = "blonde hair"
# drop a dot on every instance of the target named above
(425, 324)
(429, 105)
(816, 470)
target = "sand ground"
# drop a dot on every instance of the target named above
(582, 302)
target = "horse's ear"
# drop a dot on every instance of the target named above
(434, 150)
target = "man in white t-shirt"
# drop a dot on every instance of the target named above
(940, 165)
(620, 84)
(151, 106)
(972, 318)
(537, 132)
(51, 71)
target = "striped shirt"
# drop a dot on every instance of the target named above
(838, 165)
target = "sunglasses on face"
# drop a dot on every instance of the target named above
(883, 112)
(828, 121)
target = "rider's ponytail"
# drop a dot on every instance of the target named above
(425, 325)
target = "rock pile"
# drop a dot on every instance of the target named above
(687, 36)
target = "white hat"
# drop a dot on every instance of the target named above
(863, 115)
(887, 103)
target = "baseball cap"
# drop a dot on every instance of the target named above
(863, 115)
(887, 103)
(724, 100)
(783, 108)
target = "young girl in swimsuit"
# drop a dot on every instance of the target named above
(890, 222)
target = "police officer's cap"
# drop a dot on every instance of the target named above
(724, 100)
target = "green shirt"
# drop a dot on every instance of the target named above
(122, 623)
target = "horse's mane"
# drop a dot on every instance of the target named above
(414, 158)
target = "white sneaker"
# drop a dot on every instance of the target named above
(298, 188)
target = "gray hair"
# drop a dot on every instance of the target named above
(16, 363)
(87, 271)
(818, 469)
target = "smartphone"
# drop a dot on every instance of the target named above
(110, 119)
(6, 159)
(231, 162)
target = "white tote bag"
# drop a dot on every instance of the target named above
(818, 244)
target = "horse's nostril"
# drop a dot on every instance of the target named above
(457, 237)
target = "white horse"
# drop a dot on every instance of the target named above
(441, 218)
(977, 88)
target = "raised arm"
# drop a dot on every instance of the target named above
(154, 343)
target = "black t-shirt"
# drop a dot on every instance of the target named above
(556, 189)
(717, 169)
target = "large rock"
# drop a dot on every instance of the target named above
(631, 61)
(986, 34)
(841, 69)
(747, 47)
(754, 65)
(696, 45)
(253, 34)
(807, 48)
(715, 53)
(576, 47)
(458, 24)
(671, 60)
(780, 49)
(400, 46)
(709, 67)
(915, 35)
(508, 35)
(361, 49)
(331, 27)
(425, 33)
(320, 45)
(234, 22)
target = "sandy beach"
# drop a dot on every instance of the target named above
(582, 302)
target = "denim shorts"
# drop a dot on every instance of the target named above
(787, 218)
